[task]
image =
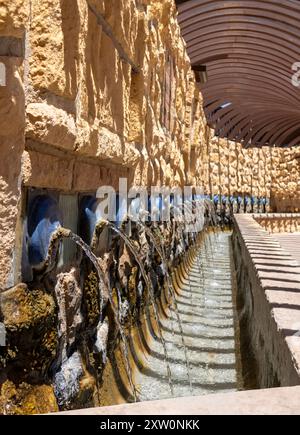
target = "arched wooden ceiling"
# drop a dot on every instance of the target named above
(248, 49)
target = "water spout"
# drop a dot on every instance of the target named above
(149, 287)
(104, 288)
(160, 250)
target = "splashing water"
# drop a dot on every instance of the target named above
(149, 286)
(160, 250)
(63, 233)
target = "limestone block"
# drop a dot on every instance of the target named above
(11, 99)
(11, 144)
(13, 17)
(48, 124)
(86, 177)
(46, 171)
(47, 67)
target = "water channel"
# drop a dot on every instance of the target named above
(211, 362)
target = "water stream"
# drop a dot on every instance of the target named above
(159, 245)
(104, 291)
(207, 312)
(184, 341)
(150, 289)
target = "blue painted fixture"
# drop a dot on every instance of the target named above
(155, 207)
(87, 217)
(43, 219)
(121, 210)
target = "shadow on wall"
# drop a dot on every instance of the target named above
(105, 77)
(71, 30)
(285, 203)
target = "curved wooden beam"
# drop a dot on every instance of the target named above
(248, 48)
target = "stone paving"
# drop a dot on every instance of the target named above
(278, 401)
(291, 243)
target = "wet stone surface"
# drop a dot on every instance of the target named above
(205, 305)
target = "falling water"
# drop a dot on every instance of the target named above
(63, 233)
(149, 286)
(177, 231)
(208, 332)
(160, 250)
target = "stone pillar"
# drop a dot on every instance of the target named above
(12, 109)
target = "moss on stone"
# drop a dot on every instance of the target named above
(27, 399)
(23, 308)
(30, 318)
(91, 299)
(132, 286)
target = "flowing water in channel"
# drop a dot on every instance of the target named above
(206, 308)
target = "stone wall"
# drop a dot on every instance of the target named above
(106, 90)
(230, 169)
(279, 223)
(97, 90)
(268, 304)
(110, 81)
(13, 18)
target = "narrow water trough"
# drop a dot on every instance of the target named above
(211, 361)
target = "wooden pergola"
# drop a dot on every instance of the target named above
(248, 49)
